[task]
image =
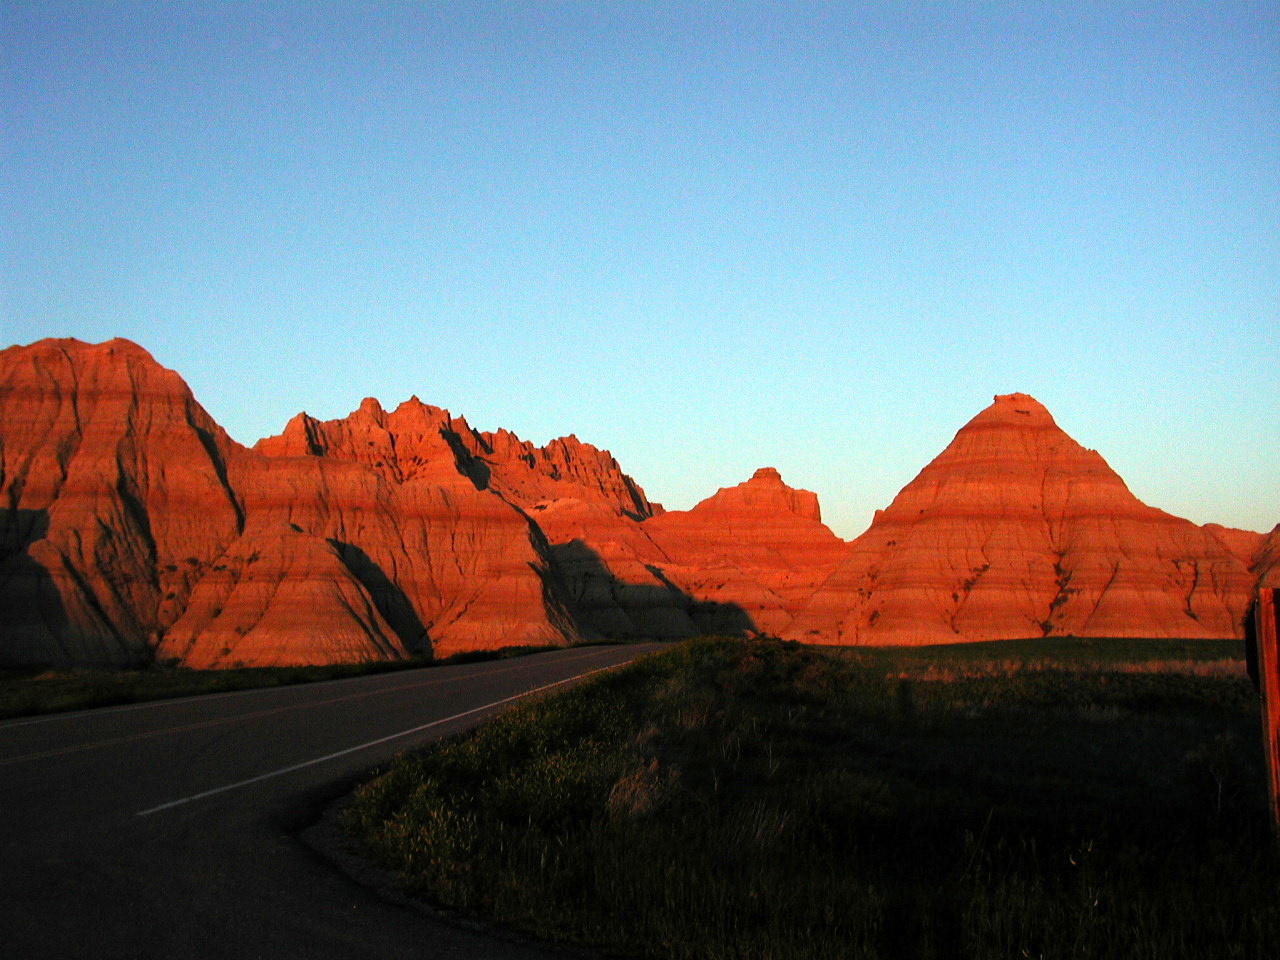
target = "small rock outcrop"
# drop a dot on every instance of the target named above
(1266, 561)
(760, 546)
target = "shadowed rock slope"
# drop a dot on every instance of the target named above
(760, 545)
(743, 560)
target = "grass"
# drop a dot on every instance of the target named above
(26, 692)
(753, 799)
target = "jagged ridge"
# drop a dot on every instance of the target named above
(132, 526)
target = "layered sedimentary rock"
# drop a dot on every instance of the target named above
(612, 573)
(759, 547)
(114, 498)
(1244, 544)
(133, 526)
(1266, 561)
(279, 596)
(566, 468)
(741, 561)
(1015, 530)
(446, 567)
(566, 488)
(456, 564)
(417, 441)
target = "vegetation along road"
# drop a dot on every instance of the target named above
(169, 829)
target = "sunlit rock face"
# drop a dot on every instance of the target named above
(1015, 530)
(566, 468)
(1266, 561)
(133, 527)
(446, 568)
(529, 496)
(760, 546)
(741, 561)
(421, 442)
(1244, 544)
(279, 597)
(114, 499)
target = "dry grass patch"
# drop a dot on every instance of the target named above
(730, 799)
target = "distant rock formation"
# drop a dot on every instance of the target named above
(741, 561)
(421, 442)
(760, 546)
(1266, 560)
(1015, 530)
(132, 527)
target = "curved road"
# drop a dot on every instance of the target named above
(168, 829)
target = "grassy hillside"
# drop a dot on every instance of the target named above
(730, 799)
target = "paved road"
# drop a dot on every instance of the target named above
(168, 830)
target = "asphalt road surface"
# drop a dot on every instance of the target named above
(170, 829)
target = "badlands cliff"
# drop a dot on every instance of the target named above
(1015, 530)
(132, 527)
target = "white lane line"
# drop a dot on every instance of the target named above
(93, 713)
(433, 681)
(363, 746)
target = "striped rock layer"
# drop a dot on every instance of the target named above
(133, 528)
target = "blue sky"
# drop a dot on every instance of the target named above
(708, 237)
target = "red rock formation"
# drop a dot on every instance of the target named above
(1015, 530)
(760, 547)
(114, 499)
(421, 442)
(1266, 561)
(133, 525)
(1244, 544)
(279, 597)
(566, 468)
(612, 573)
(570, 489)
(741, 561)
(450, 567)
(447, 567)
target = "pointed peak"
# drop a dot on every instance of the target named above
(1015, 409)
(414, 409)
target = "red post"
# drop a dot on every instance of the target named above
(1265, 612)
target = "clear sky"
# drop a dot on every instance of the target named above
(708, 237)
